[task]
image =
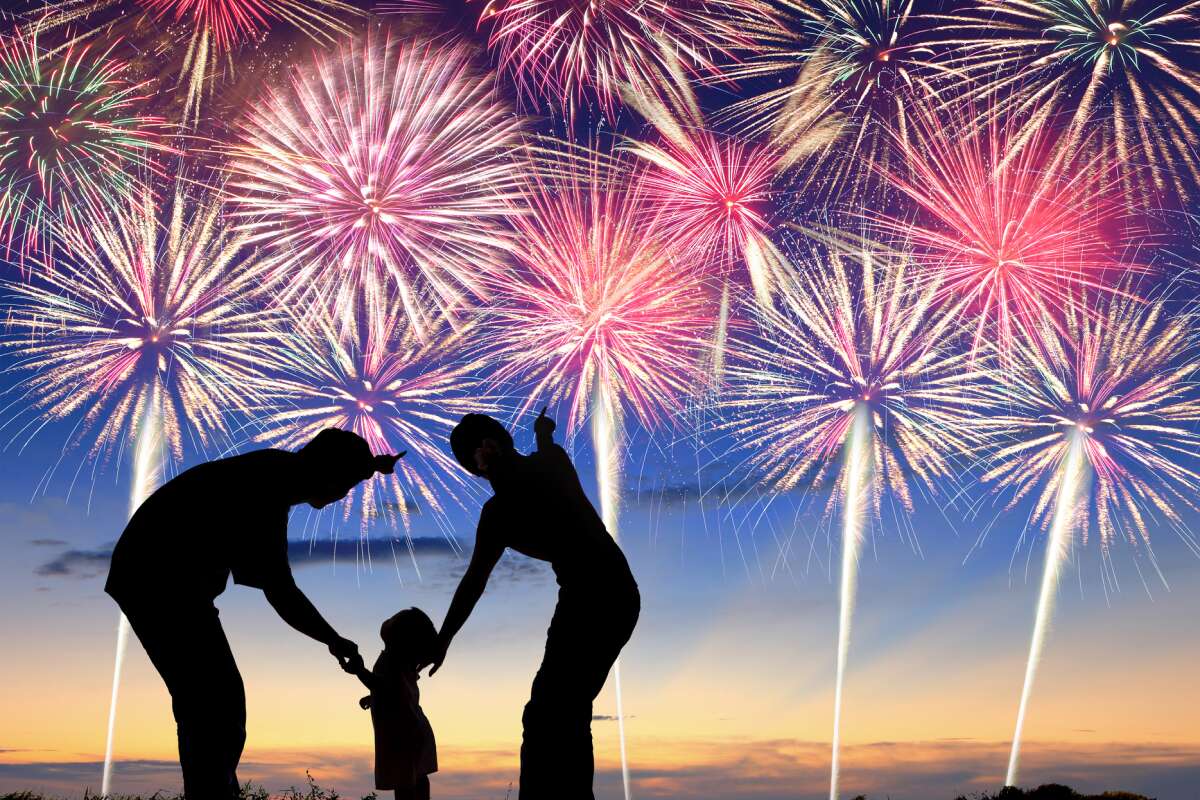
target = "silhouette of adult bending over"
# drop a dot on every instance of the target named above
(539, 508)
(175, 556)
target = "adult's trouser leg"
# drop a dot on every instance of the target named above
(189, 650)
(582, 644)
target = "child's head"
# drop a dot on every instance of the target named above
(410, 633)
(480, 443)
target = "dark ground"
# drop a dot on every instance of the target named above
(1050, 791)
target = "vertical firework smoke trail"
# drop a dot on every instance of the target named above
(858, 477)
(1102, 423)
(209, 32)
(1009, 236)
(397, 390)
(846, 73)
(387, 167)
(1058, 547)
(606, 440)
(150, 327)
(569, 52)
(852, 365)
(147, 473)
(600, 315)
(1124, 72)
(72, 133)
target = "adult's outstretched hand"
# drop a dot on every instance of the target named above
(386, 464)
(543, 425)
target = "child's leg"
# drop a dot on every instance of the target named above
(418, 791)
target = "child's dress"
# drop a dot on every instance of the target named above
(405, 751)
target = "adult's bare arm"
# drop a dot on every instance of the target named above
(488, 550)
(294, 608)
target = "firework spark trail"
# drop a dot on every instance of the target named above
(1009, 238)
(147, 462)
(1102, 421)
(146, 328)
(72, 133)
(390, 386)
(854, 508)
(211, 31)
(852, 364)
(145, 302)
(387, 167)
(599, 315)
(1121, 72)
(569, 52)
(1058, 546)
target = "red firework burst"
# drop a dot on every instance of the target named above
(1012, 237)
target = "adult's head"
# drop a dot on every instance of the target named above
(336, 461)
(481, 444)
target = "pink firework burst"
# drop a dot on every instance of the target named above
(708, 192)
(568, 50)
(600, 305)
(385, 168)
(1011, 236)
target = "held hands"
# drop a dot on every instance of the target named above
(346, 653)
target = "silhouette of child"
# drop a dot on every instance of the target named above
(405, 751)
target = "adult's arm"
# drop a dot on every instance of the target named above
(543, 431)
(488, 549)
(294, 608)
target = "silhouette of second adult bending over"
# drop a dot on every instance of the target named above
(539, 509)
(175, 556)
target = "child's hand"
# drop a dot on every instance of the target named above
(354, 664)
(364, 702)
(543, 426)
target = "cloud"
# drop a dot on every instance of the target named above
(305, 552)
(441, 561)
(729, 769)
(77, 564)
(48, 542)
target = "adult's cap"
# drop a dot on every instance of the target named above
(348, 453)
